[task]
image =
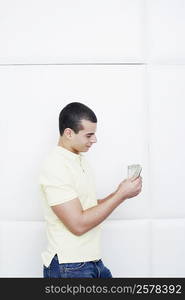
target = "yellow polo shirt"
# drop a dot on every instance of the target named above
(65, 176)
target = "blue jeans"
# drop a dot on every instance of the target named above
(89, 269)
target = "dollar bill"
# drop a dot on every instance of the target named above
(134, 170)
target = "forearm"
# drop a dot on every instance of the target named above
(93, 216)
(106, 198)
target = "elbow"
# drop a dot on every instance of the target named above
(77, 230)
(79, 227)
(75, 226)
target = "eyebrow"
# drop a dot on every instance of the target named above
(90, 133)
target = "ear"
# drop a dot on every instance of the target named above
(68, 133)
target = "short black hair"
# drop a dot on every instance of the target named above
(72, 114)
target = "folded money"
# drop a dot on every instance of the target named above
(134, 170)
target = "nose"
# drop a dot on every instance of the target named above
(94, 139)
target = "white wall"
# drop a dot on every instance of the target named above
(124, 59)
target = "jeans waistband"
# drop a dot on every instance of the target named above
(96, 260)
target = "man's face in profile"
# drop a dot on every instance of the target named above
(83, 140)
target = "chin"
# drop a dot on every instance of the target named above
(84, 149)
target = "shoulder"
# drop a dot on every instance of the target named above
(53, 166)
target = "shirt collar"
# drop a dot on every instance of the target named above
(69, 154)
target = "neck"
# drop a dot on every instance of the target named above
(65, 144)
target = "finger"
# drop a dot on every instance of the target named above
(134, 178)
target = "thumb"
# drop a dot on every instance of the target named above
(133, 178)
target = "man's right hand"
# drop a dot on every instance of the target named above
(129, 188)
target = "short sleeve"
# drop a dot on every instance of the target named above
(57, 188)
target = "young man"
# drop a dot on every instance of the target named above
(72, 212)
